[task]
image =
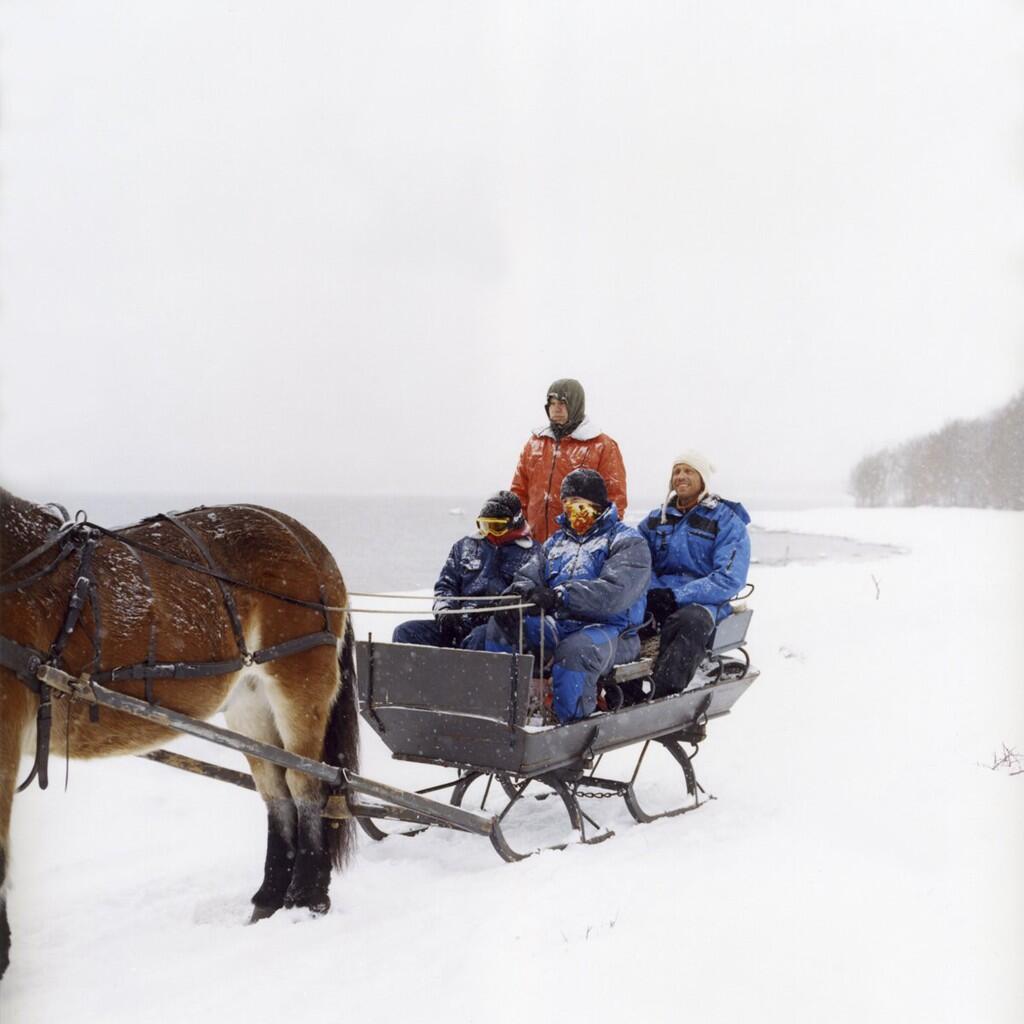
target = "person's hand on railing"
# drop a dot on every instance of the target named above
(449, 627)
(544, 598)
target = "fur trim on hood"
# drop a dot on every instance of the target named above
(586, 431)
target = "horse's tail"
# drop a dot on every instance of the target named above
(341, 742)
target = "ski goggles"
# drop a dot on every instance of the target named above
(493, 526)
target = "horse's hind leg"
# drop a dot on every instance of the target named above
(249, 713)
(301, 690)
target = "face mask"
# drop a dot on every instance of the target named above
(580, 513)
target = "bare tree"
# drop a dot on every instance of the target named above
(973, 463)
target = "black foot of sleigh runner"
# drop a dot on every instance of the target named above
(472, 712)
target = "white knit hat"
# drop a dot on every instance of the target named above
(697, 461)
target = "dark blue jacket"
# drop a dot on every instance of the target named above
(599, 577)
(475, 567)
(702, 555)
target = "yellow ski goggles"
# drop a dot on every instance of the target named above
(495, 527)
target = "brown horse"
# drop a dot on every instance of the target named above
(242, 604)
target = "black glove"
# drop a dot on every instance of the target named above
(544, 598)
(508, 620)
(661, 604)
(450, 630)
(508, 623)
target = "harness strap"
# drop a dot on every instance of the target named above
(168, 670)
(14, 585)
(199, 669)
(82, 592)
(24, 662)
(301, 643)
(40, 766)
(79, 595)
(151, 646)
(50, 542)
(65, 516)
(229, 601)
(206, 570)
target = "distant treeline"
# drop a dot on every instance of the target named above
(973, 463)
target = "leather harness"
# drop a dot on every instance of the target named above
(81, 536)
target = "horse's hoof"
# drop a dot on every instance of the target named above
(261, 913)
(317, 908)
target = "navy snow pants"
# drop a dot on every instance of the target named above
(428, 633)
(684, 639)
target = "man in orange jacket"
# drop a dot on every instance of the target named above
(569, 441)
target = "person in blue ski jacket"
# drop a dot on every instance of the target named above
(480, 565)
(590, 579)
(700, 554)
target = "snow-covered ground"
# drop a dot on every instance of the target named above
(860, 862)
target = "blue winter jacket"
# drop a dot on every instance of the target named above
(475, 567)
(702, 555)
(599, 577)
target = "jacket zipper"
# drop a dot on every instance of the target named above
(667, 534)
(551, 476)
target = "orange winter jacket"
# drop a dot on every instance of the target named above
(544, 463)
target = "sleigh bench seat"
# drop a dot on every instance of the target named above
(730, 635)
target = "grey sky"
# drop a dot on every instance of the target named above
(264, 247)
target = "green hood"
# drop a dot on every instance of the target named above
(571, 392)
